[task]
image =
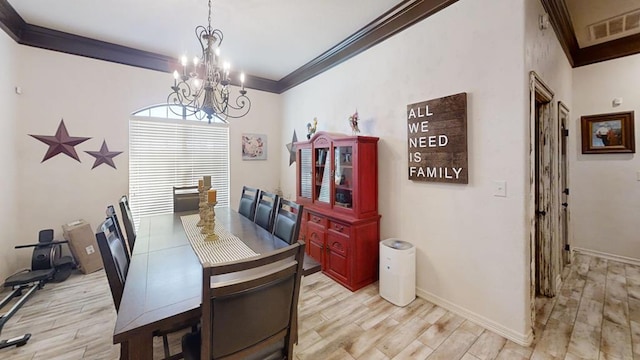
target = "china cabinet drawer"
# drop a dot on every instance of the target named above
(340, 228)
(316, 219)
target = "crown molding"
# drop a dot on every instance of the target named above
(388, 24)
(10, 21)
(577, 56)
(400, 17)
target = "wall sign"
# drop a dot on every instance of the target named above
(437, 140)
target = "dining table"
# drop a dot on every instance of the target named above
(163, 288)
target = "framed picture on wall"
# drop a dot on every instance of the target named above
(254, 147)
(608, 133)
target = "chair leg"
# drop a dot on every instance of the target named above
(165, 343)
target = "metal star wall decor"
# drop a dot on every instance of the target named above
(104, 156)
(292, 148)
(61, 143)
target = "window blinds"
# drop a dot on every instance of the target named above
(164, 153)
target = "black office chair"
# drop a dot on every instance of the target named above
(127, 220)
(248, 202)
(286, 224)
(186, 198)
(253, 316)
(266, 210)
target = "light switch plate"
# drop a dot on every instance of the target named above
(500, 188)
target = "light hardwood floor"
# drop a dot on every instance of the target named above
(596, 316)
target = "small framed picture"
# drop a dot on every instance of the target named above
(608, 133)
(254, 147)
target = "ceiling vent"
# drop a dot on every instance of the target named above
(616, 27)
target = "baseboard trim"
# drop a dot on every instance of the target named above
(622, 259)
(516, 337)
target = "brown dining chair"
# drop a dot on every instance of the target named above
(248, 201)
(186, 198)
(266, 210)
(114, 226)
(286, 224)
(249, 308)
(127, 220)
(114, 258)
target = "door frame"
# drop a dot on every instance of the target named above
(540, 92)
(563, 183)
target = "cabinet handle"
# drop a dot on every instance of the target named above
(339, 228)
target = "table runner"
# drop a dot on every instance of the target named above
(227, 247)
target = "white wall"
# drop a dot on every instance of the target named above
(95, 99)
(604, 187)
(8, 158)
(472, 247)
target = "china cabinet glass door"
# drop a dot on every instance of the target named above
(343, 177)
(306, 170)
(323, 175)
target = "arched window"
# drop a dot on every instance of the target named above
(166, 150)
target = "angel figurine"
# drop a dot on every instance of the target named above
(353, 121)
(312, 129)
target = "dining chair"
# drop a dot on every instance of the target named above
(286, 224)
(127, 220)
(114, 258)
(249, 308)
(248, 202)
(266, 210)
(114, 226)
(186, 198)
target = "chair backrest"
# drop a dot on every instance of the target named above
(114, 258)
(255, 304)
(113, 225)
(186, 198)
(248, 202)
(266, 210)
(286, 224)
(127, 220)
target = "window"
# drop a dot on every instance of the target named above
(168, 152)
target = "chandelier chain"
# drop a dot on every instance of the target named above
(209, 19)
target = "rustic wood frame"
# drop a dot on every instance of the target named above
(624, 142)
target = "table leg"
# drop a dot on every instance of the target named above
(124, 350)
(140, 347)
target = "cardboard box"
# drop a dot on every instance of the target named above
(83, 245)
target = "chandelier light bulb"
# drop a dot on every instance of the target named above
(242, 78)
(217, 51)
(183, 60)
(176, 74)
(195, 61)
(196, 83)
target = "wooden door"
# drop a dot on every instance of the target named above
(543, 198)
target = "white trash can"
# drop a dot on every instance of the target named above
(397, 271)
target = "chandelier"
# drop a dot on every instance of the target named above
(203, 87)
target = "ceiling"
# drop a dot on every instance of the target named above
(278, 43)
